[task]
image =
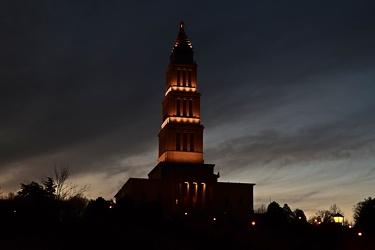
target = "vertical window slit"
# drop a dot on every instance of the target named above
(178, 138)
(192, 142)
(184, 141)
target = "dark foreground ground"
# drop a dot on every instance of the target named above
(220, 234)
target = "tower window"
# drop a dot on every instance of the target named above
(184, 78)
(189, 78)
(185, 189)
(192, 142)
(190, 107)
(184, 107)
(184, 141)
(178, 138)
(178, 78)
(178, 107)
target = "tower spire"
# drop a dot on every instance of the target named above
(182, 51)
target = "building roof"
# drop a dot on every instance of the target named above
(182, 51)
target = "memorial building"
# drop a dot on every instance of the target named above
(181, 183)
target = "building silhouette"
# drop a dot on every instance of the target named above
(181, 183)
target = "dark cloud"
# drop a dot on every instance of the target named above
(317, 143)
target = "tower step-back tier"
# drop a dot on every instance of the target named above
(181, 134)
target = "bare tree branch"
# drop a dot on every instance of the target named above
(66, 189)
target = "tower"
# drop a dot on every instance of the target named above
(181, 134)
(181, 183)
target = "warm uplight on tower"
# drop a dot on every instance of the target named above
(180, 120)
(179, 88)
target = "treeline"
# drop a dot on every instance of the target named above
(277, 216)
(40, 207)
(55, 214)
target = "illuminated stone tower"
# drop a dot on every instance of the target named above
(181, 134)
(181, 183)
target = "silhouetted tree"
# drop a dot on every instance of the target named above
(274, 208)
(261, 210)
(35, 206)
(324, 216)
(289, 215)
(275, 217)
(334, 209)
(299, 215)
(7, 213)
(50, 187)
(53, 201)
(73, 208)
(99, 208)
(64, 189)
(364, 215)
(32, 189)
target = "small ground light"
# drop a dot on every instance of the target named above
(359, 234)
(253, 223)
(185, 213)
(214, 218)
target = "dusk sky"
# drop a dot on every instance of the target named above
(288, 93)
